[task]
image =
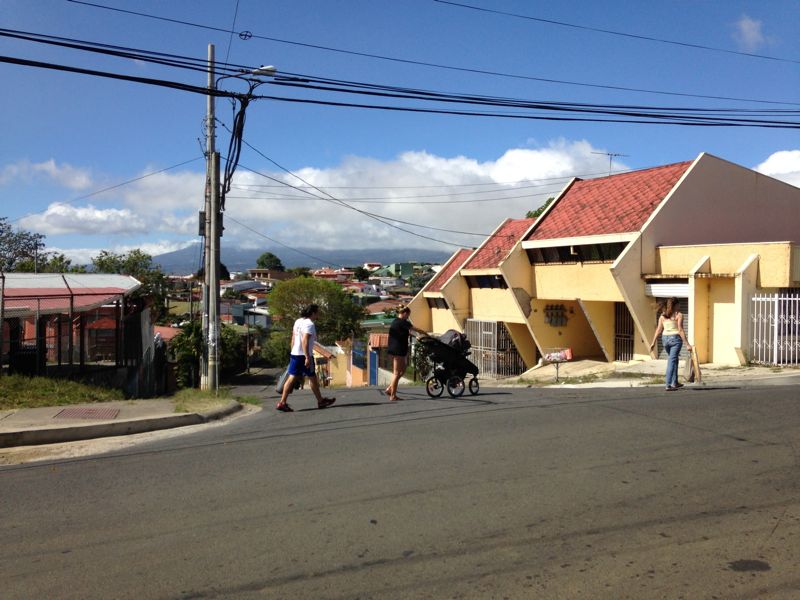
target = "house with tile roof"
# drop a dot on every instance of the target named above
(589, 273)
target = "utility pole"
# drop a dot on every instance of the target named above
(209, 363)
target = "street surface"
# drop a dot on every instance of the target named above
(513, 493)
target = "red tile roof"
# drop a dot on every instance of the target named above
(606, 205)
(496, 248)
(453, 265)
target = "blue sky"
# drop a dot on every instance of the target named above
(67, 136)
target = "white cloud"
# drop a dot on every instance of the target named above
(748, 34)
(416, 187)
(62, 174)
(60, 218)
(783, 165)
(83, 256)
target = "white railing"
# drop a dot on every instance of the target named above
(775, 329)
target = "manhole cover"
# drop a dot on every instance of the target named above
(88, 413)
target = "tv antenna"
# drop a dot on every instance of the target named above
(610, 156)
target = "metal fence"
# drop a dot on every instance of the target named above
(775, 328)
(493, 350)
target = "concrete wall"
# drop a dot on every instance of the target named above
(495, 305)
(420, 313)
(589, 281)
(576, 334)
(443, 319)
(774, 265)
(627, 272)
(719, 202)
(723, 321)
(521, 336)
(600, 316)
(745, 287)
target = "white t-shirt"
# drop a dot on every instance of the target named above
(301, 327)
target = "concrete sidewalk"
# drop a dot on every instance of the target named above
(54, 424)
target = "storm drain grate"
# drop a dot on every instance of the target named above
(88, 413)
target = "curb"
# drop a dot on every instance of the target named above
(34, 437)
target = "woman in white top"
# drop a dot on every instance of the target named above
(670, 324)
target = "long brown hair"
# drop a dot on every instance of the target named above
(670, 307)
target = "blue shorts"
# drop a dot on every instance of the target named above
(297, 366)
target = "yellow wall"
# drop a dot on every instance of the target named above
(723, 321)
(600, 316)
(628, 275)
(442, 319)
(517, 270)
(745, 287)
(420, 312)
(456, 292)
(495, 305)
(567, 282)
(521, 336)
(774, 263)
(576, 334)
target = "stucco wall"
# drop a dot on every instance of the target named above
(517, 270)
(420, 312)
(628, 275)
(576, 334)
(723, 321)
(774, 264)
(720, 202)
(567, 282)
(600, 316)
(456, 292)
(745, 286)
(524, 343)
(442, 319)
(495, 305)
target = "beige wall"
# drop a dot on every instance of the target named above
(456, 292)
(720, 202)
(723, 321)
(517, 270)
(420, 312)
(774, 264)
(566, 282)
(442, 319)
(576, 334)
(523, 341)
(600, 316)
(745, 287)
(495, 305)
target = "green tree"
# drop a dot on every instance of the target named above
(17, 245)
(139, 265)
(534, 214)
(269, 261)
(360, 274)
(300, 271)
(48, 262)
(339, 318)
(187, 348)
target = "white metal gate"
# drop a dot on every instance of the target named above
(775, 328)
(493, 351)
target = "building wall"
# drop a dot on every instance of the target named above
(566, 282)
(443, 319)
(723, 321)
(600, 316)
(456, 292)
(517, 270)
(745, 285)
(627, 273)
(719, 202)
(495, 305)
(420, 313)
(521, 336)
(774, 264)
(575, 334)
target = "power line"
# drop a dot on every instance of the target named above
(619, 33)
(107, 189)
(249, 34)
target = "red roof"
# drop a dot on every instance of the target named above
(606, 205)
(453, 265)
(496, 248)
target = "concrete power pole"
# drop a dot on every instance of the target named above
(209, 369)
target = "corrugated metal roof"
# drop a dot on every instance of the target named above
(27, 294)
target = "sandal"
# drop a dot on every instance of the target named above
(326, 402)
(284, 407)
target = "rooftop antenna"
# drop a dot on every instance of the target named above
(610, 156)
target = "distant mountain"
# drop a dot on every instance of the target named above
(187, 260)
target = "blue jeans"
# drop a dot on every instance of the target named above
(673, 345)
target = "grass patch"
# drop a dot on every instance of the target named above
(199, 401)
(19, 391)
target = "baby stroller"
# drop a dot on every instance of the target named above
(450, 364)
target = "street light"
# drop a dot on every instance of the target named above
(215, 202)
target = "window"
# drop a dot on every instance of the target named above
(486, 282)
(437, 303)
(591, 253)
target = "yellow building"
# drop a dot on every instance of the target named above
(590, 272)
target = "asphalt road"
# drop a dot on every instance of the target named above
(514, 493)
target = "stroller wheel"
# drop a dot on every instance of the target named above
(474, 386)
(434, 387)
(455, 386)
